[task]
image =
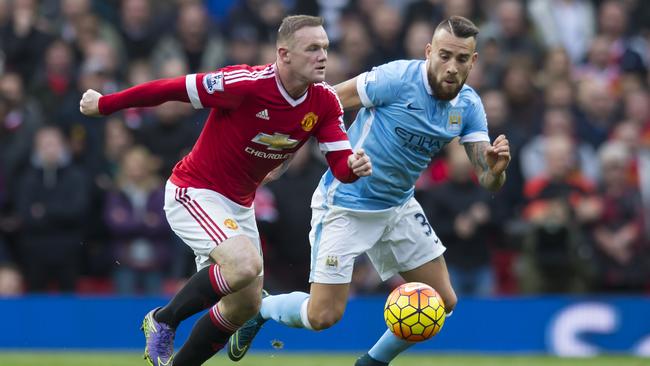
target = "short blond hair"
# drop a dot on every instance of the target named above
(292, 23)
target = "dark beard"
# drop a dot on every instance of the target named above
(439, 93)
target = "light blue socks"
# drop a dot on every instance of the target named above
(288, 309)
(388, 347)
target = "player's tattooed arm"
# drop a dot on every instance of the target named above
(490, 161)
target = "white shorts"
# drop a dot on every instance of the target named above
(396, 240)
(204, 218)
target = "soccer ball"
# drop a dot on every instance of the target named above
(414, 312)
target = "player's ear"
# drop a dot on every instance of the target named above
(283, 55)
(474, 58)
(427, 51)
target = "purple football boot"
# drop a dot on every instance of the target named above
(160, 341)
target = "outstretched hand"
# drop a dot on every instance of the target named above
(360, 163)
(497, 156)
(89, 103)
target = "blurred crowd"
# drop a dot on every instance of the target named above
(566, 80)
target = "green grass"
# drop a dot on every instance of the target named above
(134, 359)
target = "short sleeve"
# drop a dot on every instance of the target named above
(223, 88)
(379, 86)
(331, 134)
(475, 129)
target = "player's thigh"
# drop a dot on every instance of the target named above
(327, 304)
(436, 275)
(337, 237)
(242, 305)
(409, 243)
(204, 220)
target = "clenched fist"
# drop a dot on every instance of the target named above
(360, 164)
(89, 103)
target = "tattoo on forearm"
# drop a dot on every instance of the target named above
(476, 153)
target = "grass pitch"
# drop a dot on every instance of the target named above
(135, 359)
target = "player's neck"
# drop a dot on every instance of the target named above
(292, 85)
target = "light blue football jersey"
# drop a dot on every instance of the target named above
(401, 127)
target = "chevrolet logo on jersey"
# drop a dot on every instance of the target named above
(277, 141)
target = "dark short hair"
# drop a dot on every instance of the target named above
(293, 23)
(459, 27)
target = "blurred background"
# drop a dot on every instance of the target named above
(566, 80)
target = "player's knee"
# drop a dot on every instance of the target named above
(450, 301)
(244, 260)
(325, 319)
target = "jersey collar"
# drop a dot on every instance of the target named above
(425, 80)
(285, 94)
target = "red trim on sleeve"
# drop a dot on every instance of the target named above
(338, 162)
(147, 94)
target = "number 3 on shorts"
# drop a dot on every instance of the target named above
(423, 221)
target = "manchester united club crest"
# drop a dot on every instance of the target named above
(231, 224)
(309, 121)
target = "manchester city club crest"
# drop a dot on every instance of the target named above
(455, 120)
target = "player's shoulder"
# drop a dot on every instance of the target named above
(401, 68)
(243, 68)
(325, 90)
(245, 74)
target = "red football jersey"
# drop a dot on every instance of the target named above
(254, 127)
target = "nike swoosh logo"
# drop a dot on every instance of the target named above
(413, 107)
(164, 363)
(411, 288)
(234, 347)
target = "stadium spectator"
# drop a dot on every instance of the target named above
(135, 219)
(209, 195)
(523, 98)
(557, 122)
(24, 38)
(595, 112)
(569, 24)
(52, 201)
(140, 28)
(195, 41)
(20, 118)
(560, 202)
(627, 53)
(622, 250)
(386, 26)
(511, 32)
(243, 45)
(557, 67)
(417, 34)
(55, 81)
